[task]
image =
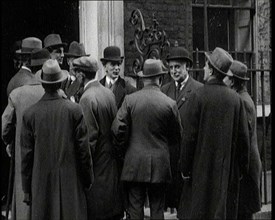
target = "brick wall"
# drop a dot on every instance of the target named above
(174, 16)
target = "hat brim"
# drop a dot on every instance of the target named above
(238, 77)
(64, 76)
(110, 59)
(180, 58)
(140, 74)
(207, 54)
(70, 55)
(21, 52)
(56, 45)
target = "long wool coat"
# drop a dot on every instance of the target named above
(19, 100)
(174, 189)
(99, 107)
(56, 159)
(215, 152)
(250, 197)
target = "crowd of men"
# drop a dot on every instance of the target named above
(86, 148)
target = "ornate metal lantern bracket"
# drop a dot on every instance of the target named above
(150, 42)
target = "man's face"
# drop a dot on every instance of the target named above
(70, 64)
(112, 69)
(178, 70)
(58, 54)
(207, 71)
(17, 63)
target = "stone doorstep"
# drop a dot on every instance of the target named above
(265, 213)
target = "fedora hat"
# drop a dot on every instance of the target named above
(88, 64)
(76, 50)
(152, 68)
(51, 72)
(28, 44)
(221, 60)
(179, 53)
(238, 70)
(39, 56)
(112, 53)
(53, 40)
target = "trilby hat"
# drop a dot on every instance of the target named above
(221, 60)
(88, 64)
(51, 72)
(112, 53)
(152, 68)
(39, 56)
(239, 70)
(179, 53)
(53, 40)
(76, 50)
(29, 44)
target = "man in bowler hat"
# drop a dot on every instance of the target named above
(215, 149)
(250, 191)
(179, 89)
(144, 126)
(112, 61)
(56, 162)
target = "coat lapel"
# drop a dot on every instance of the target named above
(119, 90)
(184, 93)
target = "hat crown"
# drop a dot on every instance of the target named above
(152, 67)
(30, 43)
(86, 63)
(220, 59)
(112, 53)
(76, 49)
(239, 70)
(52, 40)
(179, 53)
(51, 67)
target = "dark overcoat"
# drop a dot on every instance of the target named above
(22, 77)
(250, 197)
(146, 122)
(99, 107)
(120, 90)
(19, 100)
(215, 152)
(175, 188)
(56, 159)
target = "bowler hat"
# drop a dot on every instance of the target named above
(53, 40)
(221, 60)
(152, 68)
(239, 70)
(179, 53)
(112, 53)
(76, 50)
(88, 64)
(28, 44)
(39, 56)
(51, 72)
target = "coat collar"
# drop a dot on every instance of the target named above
(215, 81)
(51, 96)
(92, 84)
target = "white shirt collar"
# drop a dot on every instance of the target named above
(108, 80)
(182, 83)
(26, 68)
(89, 82)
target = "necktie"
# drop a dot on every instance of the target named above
(178, 90)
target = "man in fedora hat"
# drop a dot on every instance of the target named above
(215, 149)
(73, 85)
(20, 99)
(144, 126)
(179, 89)
(55, 46)
(111, 62)
(250, 191)
(99, 108)
(56, 160)
(24, 75)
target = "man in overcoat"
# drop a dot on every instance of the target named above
(24, 75)
(250, 189)
(56, 159)
(215, 147)
(144, 126)
(179, 89)
(98, 104)
(112, 61)
(20, 99)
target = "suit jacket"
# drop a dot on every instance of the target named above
(146, 122)
(120, 90)
(99, 108)
(215, 152)
(22, 77)
(56, 159)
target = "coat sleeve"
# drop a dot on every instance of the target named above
(120, 128)
(8, 123)
(190, 135)
(83, 153)
(27, 153)
(175, 128)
